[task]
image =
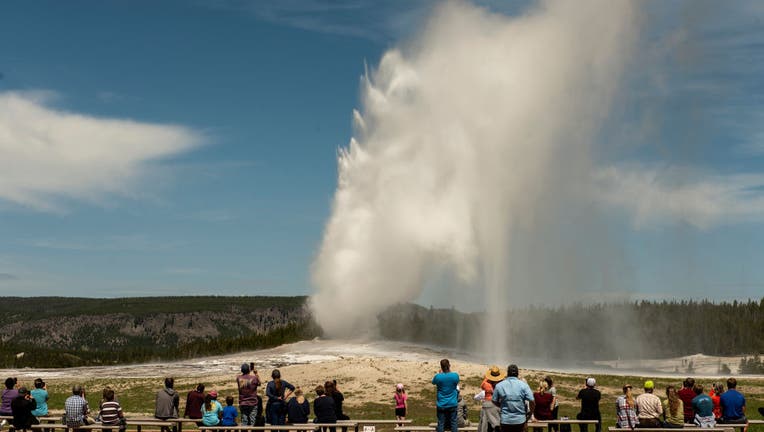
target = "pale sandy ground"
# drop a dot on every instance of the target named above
(365, 371)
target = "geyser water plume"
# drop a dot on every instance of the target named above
(472, 145)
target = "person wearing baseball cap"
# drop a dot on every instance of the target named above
(590, 405)
(649, 407)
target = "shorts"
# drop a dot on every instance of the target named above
(400, 412)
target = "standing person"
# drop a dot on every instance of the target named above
(649, 407)
(590, 405)
(323, 407)
(229, 413)
(22, 407)
(686, 394)
(247, 384)
(703, 407)
(332, 392)
(111, 411)
(277, 391)
(339, 398)
(556, 406)
(543, 403)
(298, 408)
(716, 391)
(446, 383)
(211, 410)
(626, 409)
(733, 404)
(40, 395)
(194, 402)
(489, 413)
(673, 409)
(511, 395)
(76, 408)
(9, 394)
(400, 398)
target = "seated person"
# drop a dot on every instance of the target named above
(732, 404)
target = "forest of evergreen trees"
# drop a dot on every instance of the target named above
(601, 331)
(62, 332)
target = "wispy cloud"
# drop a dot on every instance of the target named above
(7, 276)
(115, 243)
(654, 196)
(48, 155)
(367, 19)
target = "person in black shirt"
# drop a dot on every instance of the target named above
(323, 407)
(22, 407)
(590, 405)
(298, 408)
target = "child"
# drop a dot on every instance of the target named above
(400, 402)
(229, 413)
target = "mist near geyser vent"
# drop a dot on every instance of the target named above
(470, 162)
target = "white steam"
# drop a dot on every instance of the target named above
(470, 142)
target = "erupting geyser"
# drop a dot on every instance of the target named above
(471, 154)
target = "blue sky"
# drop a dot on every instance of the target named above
(218, 125)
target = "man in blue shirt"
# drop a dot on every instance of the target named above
(448, 396)
(511, 395)
(733, 404)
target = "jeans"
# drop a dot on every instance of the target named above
(275, 413)
(447, 414)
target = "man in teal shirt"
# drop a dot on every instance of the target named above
(703, 407)
(511, 395)
(447, 383)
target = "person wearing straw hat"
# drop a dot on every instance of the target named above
(489, 413)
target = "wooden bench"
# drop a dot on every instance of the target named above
(178, 421)
(137, 424)
(433, 426)
(684, 429)
(299, 428)
(375, 423)
(343, 425)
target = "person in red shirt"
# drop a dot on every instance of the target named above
(544, 403)
(686, 394)
(716, 391)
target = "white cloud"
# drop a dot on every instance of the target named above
(47, 154)
(674, 194)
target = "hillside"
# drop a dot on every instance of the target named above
(60, 332)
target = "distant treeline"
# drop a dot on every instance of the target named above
(587, 332)
(63, 332)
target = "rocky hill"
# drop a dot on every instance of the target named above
(57, 332)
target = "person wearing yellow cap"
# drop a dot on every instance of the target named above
(649, 407)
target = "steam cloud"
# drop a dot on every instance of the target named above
(470, 156)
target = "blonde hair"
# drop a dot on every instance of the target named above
(629, 396)
(543, 386)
